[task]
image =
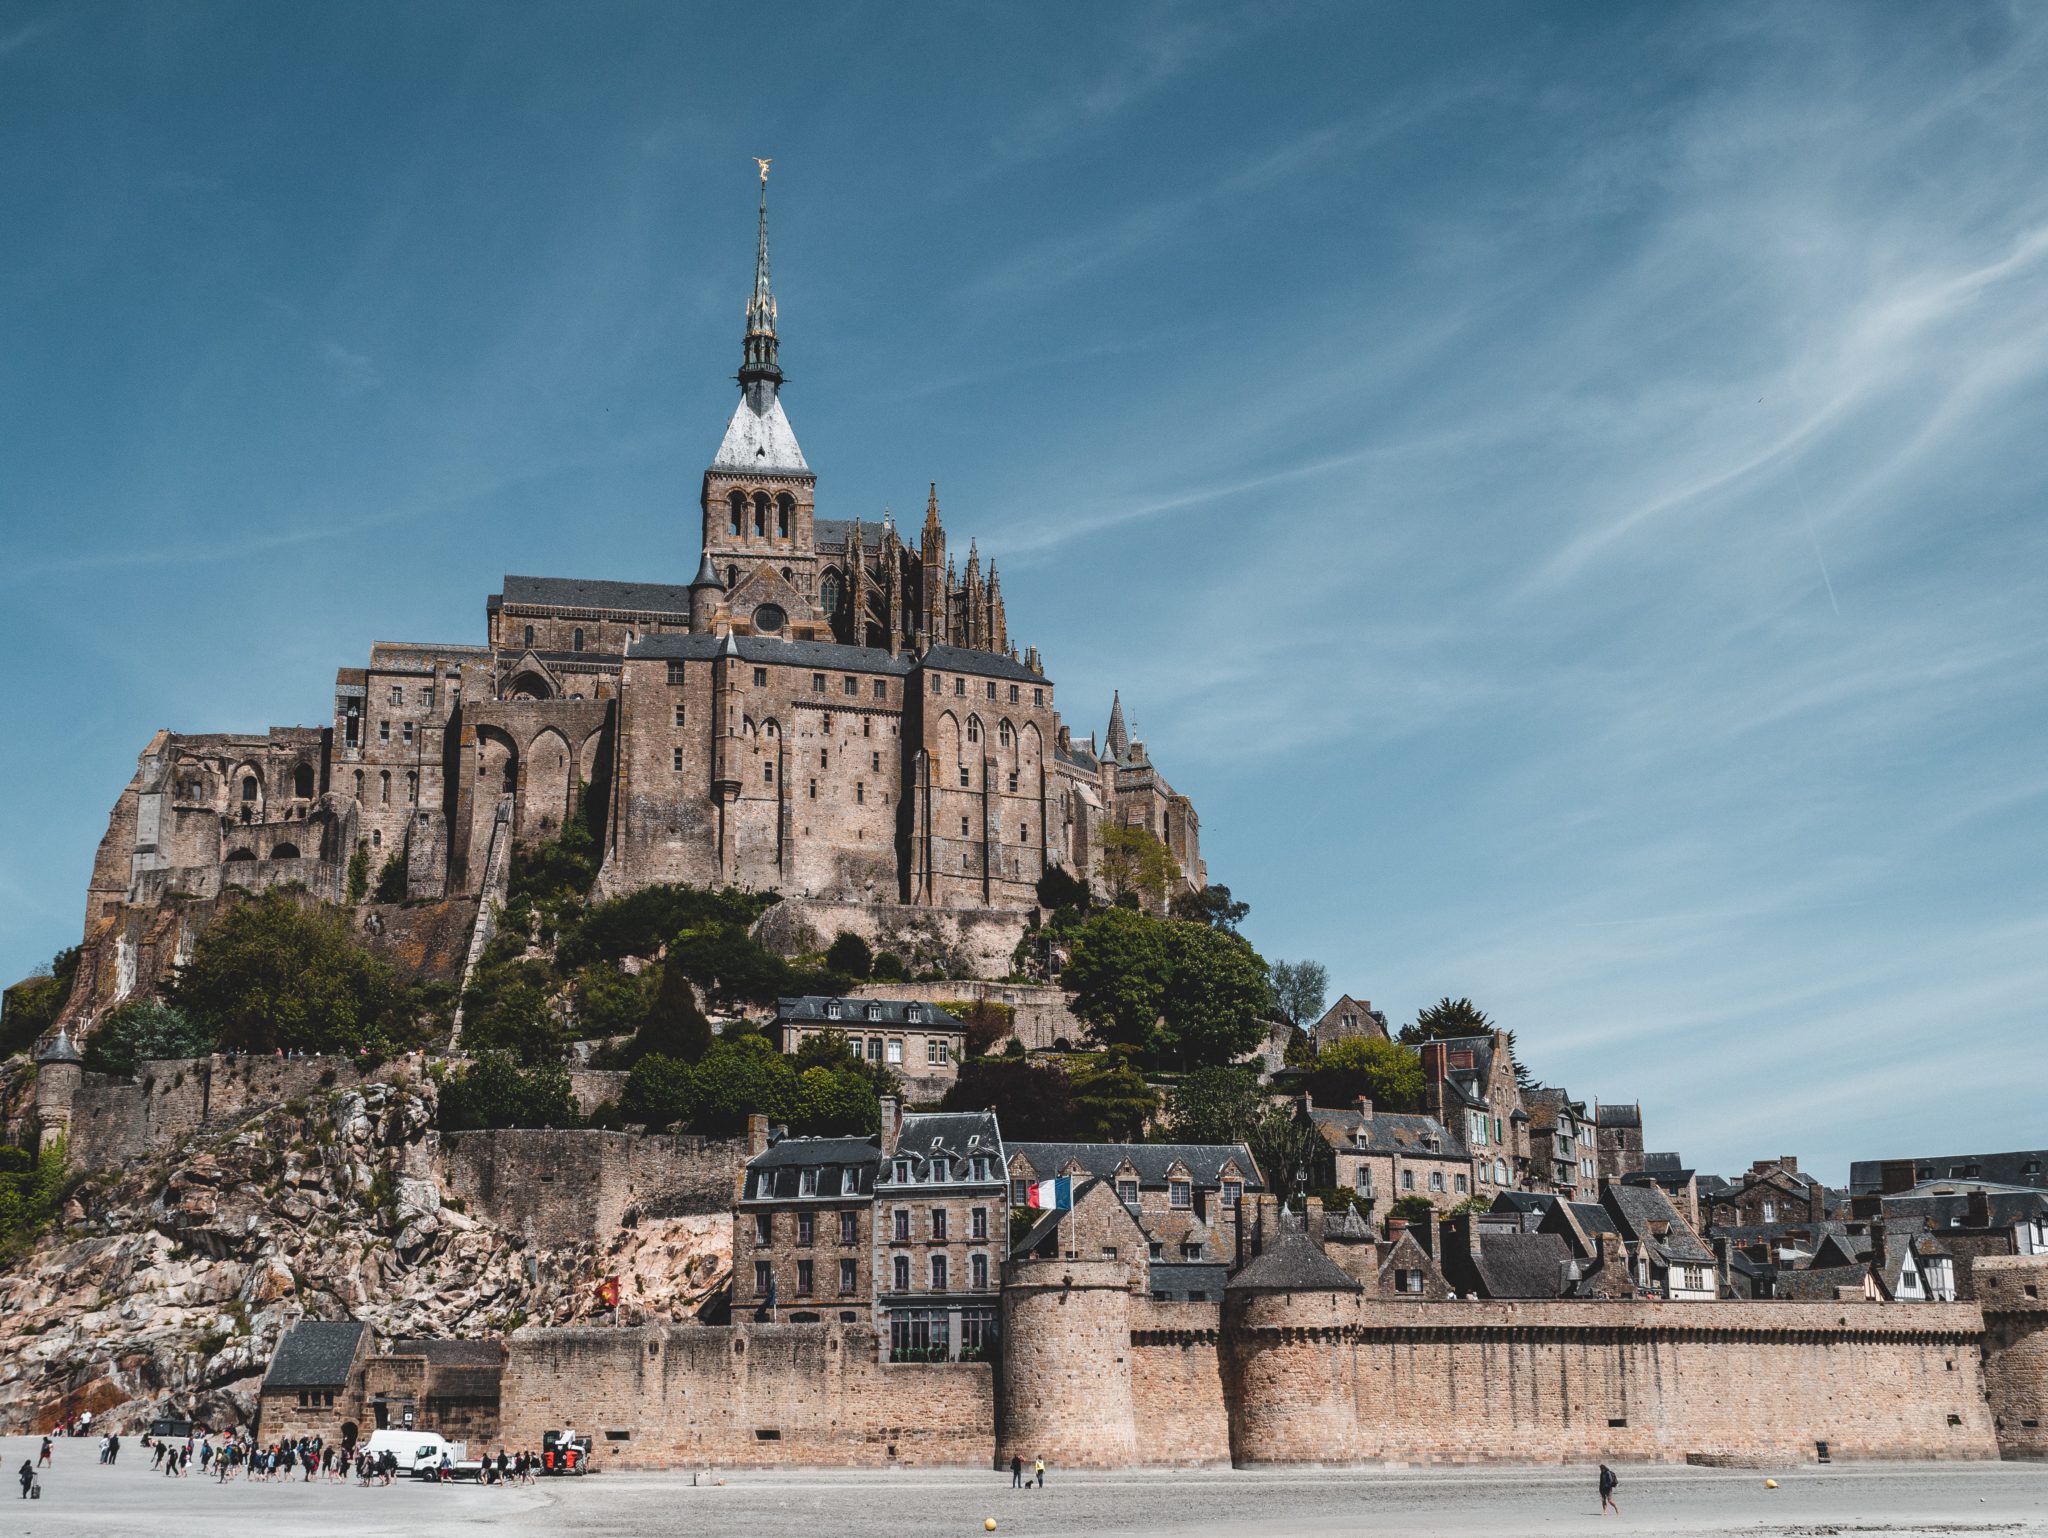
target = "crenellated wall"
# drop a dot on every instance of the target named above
(756, 1394)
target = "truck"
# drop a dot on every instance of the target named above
(564, 1452)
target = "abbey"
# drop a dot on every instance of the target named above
(826, 709)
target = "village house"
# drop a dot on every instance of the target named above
(802, 1238)
(1773, 1191)
(1382, 1156)
(1563, 1151)
(1619, 1131)
(1185, 1197)
(921, 1042)
(1346, 1018)
(1471, 1088)
(941, 1232)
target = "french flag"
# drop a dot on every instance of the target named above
(1051, 1194)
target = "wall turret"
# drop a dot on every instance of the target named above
(1290, 1327)
(1066, 1374)
(59, 1070)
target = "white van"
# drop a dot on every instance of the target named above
(421, 1449)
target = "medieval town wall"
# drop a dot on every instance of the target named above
(562, 1187)
(2013, 1292)
(1066, 1368)
(1175, 1363)
(664, 1396)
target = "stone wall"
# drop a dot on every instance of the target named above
(563, 1187)
(757, 1394)
(1174, 1361)
(2013, 1292)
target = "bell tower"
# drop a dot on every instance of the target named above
(759, 495)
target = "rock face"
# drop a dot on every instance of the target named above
(171, 1280)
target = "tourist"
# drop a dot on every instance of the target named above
(114, 1447)
(1016, 1471)
(1038, 1465)
(103, 1447)
(43, 1461)
(1607, 1484)
(28, 1477)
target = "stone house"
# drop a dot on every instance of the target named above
(920, 1041)
(1619, 1130)
(1563, 1150)
(448, 1386)
(1666, 1171)
(1186, 1197)
(1969, 1225)
(1382, 1156)
(1773, 1191)
(314, 1385)
(1484, 1261)
(1470, 1085)
(1668, 1259)
(1348, 1017)
(941, 1232)
(1394, 1266)
(802, 1241)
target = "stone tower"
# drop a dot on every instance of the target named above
(1066, 1384)
(2013, 1292)
(759, 498)
(59, 1070)
(1290, 1327)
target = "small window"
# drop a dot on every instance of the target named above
(764, 1224)
(1407, 1180)
(849, 1227)
(939, 1222)
(814, 790)
(991, 689)
(806, 1185)
(817, 683)
(679, 712)
(1127, 1192)
(900, 1273)
(849, 686)
(1233, 1190)
(1013, 694)
(1436, 1180)
(1180, 1194)
(383, 735)
(1462, 1184)
(977, 1227)
(1013, 782)
(903, 1177)
(398, 694)
(942, 1169)
(405, 732)
(675, 759)
(860, 792)
(965, 782)
(767, 774)
(901, 1222)
(959, 687)
(764, 1278)
(849, 1275)
(963, 827)
(895, 1052)
(1020, 1192)
(576, 639)
(1038, 696)
(760, 677)
(881, 689)
(977, 1269)
(805, 1277)
(529, 637)
(938, 684)
(938, 1273)
(675, 676)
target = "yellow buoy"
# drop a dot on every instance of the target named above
(989, 1523)
(1770, 1484)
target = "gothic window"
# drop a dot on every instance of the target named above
(412, 787)
(576, 641)
(785, 505)
(732, 574)
(1004, 735)
(384, 788)
(831, 593)
(761, 514)
(738, 510)
(529, 635)
(974, 728)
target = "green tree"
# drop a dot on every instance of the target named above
(675, 1026)
(1386, 1072)
(1216, 999)
(1211, 905)
(1299, 988)
(642, 922)
(611, 1002)
(140, 1030)
(849, 955)
(1135, 864)
(1215, 1105)
(510, 1007)
(836, 1102)
(729, 964)
(494, 1091)
(1415, 1210)
(31, 1006)
(1112, 1101)
(559, 870)
(660, 1091)
(391, 879)
(269, 973)
(1446, 1019)
(889, 968)
(1285, 1146)
(738, 1078)
(359, 872)
(1116, 971)
(1061, 888)
(1032, 1100)
(32, 1188)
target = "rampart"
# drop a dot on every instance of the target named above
(563, 1187)
(2013, 1292)
(740, 1395)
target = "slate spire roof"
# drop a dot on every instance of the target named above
(760, 362)
(60, 1049)
(1117, 741)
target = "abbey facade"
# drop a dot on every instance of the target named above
(826, 709)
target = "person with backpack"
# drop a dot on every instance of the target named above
(28, 1477)
(1607, 1484)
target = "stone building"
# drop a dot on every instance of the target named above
(921, 1042)
(941, 1229)
(1471, 1087)
(1184, 1197)
(827, 709)
(1773, 1191)
(1382, 1156)
(803, 1235)
(1348, 1017)
(1563, 1148)
(1619, 1129)
(314, 1386)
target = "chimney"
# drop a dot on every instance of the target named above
(1789, 1163)
(892, 1124)
(1312, 1218)
(1977, 1211)
(757, 1135)
(1434, 1064)
(1365, 1107)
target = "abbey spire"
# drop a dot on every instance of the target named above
(759, 362)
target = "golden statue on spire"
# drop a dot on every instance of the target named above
(764, 165)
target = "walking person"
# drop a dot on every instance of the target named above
(28, 1477)
(114, 1448)
(1016, 1471)
(43, 1460)
(1607, 1484)
(1038, 1466)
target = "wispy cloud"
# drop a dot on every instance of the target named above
(13, 42)
(353, 371)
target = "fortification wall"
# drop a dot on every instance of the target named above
(1563, 1382)
(2013, 1292)
(113, 1120)
(1067, 1385)
(742, 1395)
(1178, 1404)
(560, 1187)
(961, 942)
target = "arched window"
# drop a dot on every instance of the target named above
(974, 728)
(359, 785)
(249, 787)
(738, 510)
(1004, 734)
(761, 514)
(831, 594)
(576, 641)
(302, 782)
(384, 788)
(529, 635)
(785, 506)
(285, 852)
(412, 787)
(376, 838)
(732, 578)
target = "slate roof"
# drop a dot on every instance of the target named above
(1292, 1263)
(954, 1135)
(60, 1049)
(759, 437)
(1594, 1218)
(754, 648)
(1347, 1225)
(1640, 1208)
(1811, 1284)
(845, 1166)
(962, 659)
(315, 1353)
(1514, 1265)
(2005, 1208)
(837, 531)
(812, 1008)
(2022, 1167)
(1619, 1116)
(1661, 1161)
(1204, 1161)
(1179, 1278)
(589, 593)
(1388, 1132)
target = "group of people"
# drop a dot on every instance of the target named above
(1017, 1479)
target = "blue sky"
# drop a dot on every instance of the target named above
(1559, 486)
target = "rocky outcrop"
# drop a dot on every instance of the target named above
(172, 1279)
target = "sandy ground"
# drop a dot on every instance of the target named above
(82, 1498)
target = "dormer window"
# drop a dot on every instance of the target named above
(874, 1011)
(903, 1172)
(942, 1169)
(832, 1010)
(1232, 1191)
(915, 1015)
(807, 1183)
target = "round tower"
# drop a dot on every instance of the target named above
(1065, 1393)
(1290, 1327)
(59, 1069)
(706, 593)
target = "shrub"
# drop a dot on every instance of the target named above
(494, 1091)
(849, 954)
(31, 1006)
(391, 879)
(140, 1030)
